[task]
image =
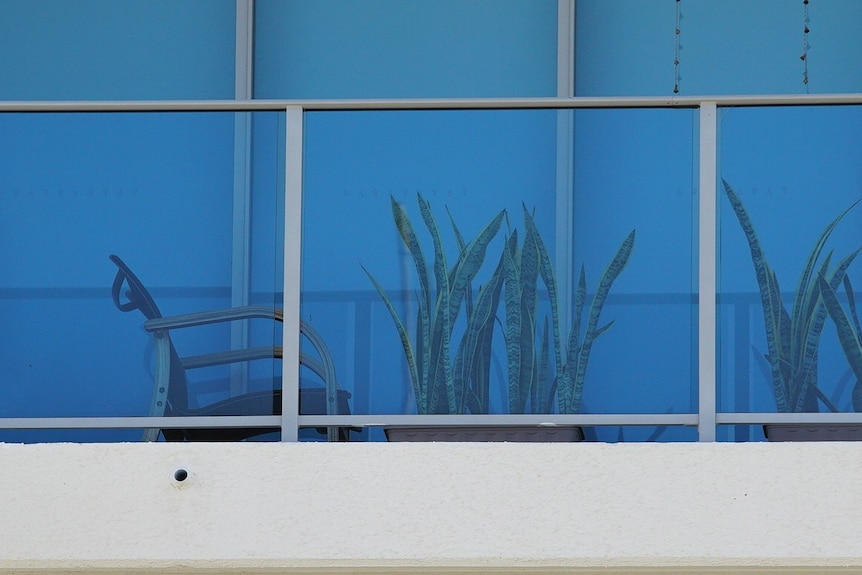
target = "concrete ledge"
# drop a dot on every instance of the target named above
(452, 508)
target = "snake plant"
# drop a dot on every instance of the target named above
(440, 384)
(460, 384)
(793, 337)
(528, 361)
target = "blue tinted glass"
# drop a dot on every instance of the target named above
(793, 170)
(632, 171)
(158, 190)
(645, 433)
(394, 49)
(740, 433)
(106, 50)
(628, 47)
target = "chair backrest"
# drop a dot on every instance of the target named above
(136, 297)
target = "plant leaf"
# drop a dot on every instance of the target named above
(459, 238)
(770, 297)
(473, 359)
(812, 325)
(549, 278)
(423, 327)
(540, 390)
(470, 261)
(512, 301)
(440, 267)
(566, 380)
(402, 334)
(847, 336)
(610, 275)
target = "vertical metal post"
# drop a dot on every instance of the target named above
(707, 210)
(565, 48)
(564, 208)
(241, 235)
(292, 265)
(243, 65)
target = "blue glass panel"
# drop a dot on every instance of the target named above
(158, 190)
(794, 170)
(628, 47)
(71, 435)
(395, 49)
(633, 170)
(740, 433)
(106, 50)
(474, 164)
(644, 433)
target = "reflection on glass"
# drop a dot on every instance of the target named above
(787, 238)
(158, 190)
(439, 268)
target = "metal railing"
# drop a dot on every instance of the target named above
(707, 417)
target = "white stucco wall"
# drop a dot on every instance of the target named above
(417, 506)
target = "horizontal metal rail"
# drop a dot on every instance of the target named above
(551, 420)
(804, 418)
(274, 421)
(428, 104)
(366, 296)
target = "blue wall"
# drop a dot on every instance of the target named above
(626, 47)
(395, 49)
(107, 50)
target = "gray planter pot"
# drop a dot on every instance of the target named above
(813, 432)
(476, 433)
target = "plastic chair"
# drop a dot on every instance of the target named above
(170, 391)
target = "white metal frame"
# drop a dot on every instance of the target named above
(564, 208)
(707, 232)
(292, 270)
(707, 417)
(241, 237)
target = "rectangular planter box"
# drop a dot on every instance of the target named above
(813, 432)
(476, 433)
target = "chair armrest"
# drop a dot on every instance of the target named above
(324, 367)
(233, 356)
(215, 316)
(273, 352)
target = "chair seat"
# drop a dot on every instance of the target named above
(312, 401)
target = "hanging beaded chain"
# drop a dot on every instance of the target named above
(676, 51)
(804, 57)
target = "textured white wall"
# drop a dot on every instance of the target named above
(420, 505)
